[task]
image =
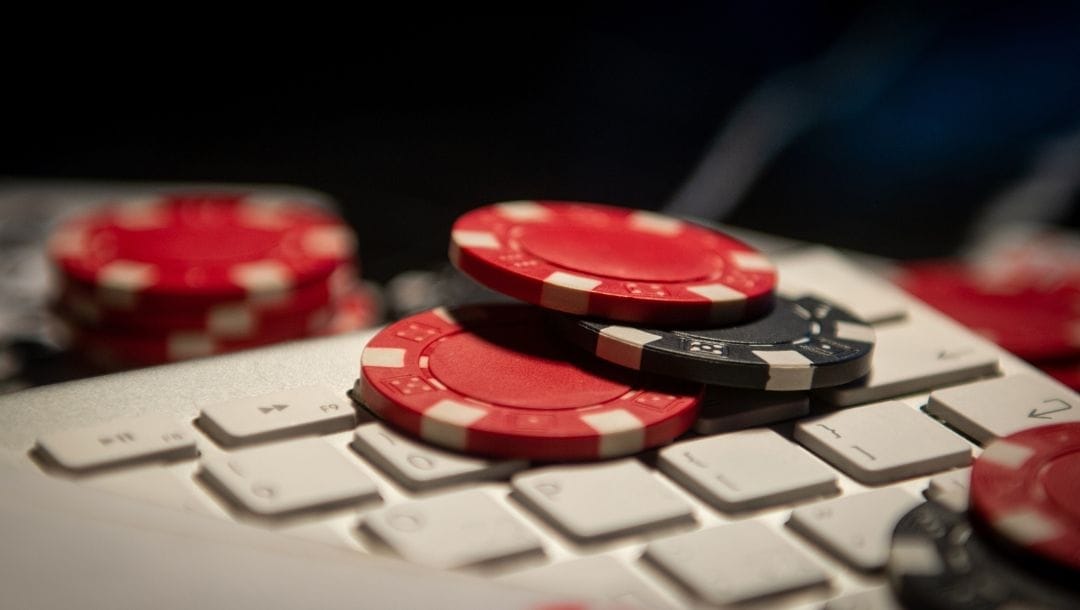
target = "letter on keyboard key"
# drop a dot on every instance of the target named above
(993, 408)
(120, 442)
(454, 530)
(296, 412)
(735, 562)
(600, 501)
(305, 474)
(747, 469)
(418, 466)
(857, 529)
(883, 442)
(599, 577)
(914, 357)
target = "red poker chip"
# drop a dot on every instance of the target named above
(1026, 488)
(357, 309)
(491, 380)
(617, 263)
(1067, 372)
(1023, 314)
(230, 320)
(185, 249)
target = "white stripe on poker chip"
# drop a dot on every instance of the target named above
(751, 261)
(182, 346)
(447, 423)
(231, 321)
(1026, 526)
(262, 215)
(620, 432)
(849, 331)
(567, 292)
(652, 222)
(623, 345)
(443, 314)
(718, 293)
(788, 369)
(262, 276)
(913, 556)
(475, 239)
(386, 357)
(1007, 454)
(329, 241)
(141, 213)
(523, 211)
(129, 276)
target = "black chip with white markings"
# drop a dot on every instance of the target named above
(939, 560)
(801, 344)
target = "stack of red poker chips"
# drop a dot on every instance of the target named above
(164, 278)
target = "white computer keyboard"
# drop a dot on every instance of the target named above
(775, 500)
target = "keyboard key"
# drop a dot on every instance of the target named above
(735, 562)
(601, 501)
(454, 530)
(911, 358)
(857, 529)
(120, 442)
(823, 271)
(950, 489)
(993, 408)
(728, 409)
(290, 413)
(878, 598)
(420, 467)
(158, 486)
(747, 469)
(883, 442)
(273, 480)
(600, 578)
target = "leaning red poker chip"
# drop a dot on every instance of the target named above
(609, 262)
(491, 380)
(1026, 488)
(182, 249)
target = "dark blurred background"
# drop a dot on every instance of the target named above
(875, 127)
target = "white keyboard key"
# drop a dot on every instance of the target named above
(305, 474)
(878, 598)
(883, 442)
(603, 500)
(296, 412)
(159, 486)
(599, 577)
(857, 529)
(418, 466)
(727, 409)
(747, 469)
(950, 489)
(825, 272)
(454, 530)
(909, 358)
(124, 441)
(989, 409)
(735, 562)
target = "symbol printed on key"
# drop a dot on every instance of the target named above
(273, 408)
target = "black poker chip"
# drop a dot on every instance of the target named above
(940, 560)
(800, 344)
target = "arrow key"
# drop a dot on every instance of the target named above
(988, 409)
(297, 412)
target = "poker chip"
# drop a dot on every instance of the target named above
(616, 263)
(231, 319)
(490, 380)
(801, 344)
(938, 560)
(1026, 488)
(1030, 317)
(1067, 372)
(199, 249)
(358, 309)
